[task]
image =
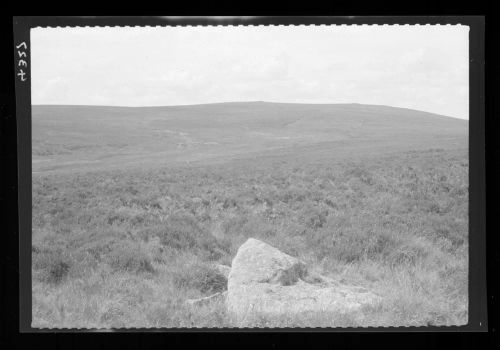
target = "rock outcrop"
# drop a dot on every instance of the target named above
(265, 282)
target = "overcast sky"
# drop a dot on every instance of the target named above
(418, 67)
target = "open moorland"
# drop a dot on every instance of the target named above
(133, 207)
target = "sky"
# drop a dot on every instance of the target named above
(417, 67)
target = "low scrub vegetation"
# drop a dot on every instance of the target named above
(127, 248)
(201, 277)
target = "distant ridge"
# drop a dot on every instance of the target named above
(253, 103)
(71, 138)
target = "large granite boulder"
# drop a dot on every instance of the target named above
(265, 282)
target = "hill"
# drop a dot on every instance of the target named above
(79, 138)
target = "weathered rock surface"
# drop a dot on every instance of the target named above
(267, 282)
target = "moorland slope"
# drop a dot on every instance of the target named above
(69, 138)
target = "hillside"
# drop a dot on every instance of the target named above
(133, 209)
(81, 138)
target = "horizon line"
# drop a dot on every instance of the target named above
(255, 101)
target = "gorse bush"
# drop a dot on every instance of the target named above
(182, 232)
(53, 264)
(98, 244)
(128, 256)
(349, 245)
(314, 217)
(361, 174)
(201, 277)
(247, 226)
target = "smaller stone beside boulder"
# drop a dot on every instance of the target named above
(221, 296)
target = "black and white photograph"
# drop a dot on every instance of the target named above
(249, 176)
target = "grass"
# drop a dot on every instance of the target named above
(116, 248)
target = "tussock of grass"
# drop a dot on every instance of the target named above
(126, 249)
(202, 277)
(182, 232)
(127, 256)
(53, 265)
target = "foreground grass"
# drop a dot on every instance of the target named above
(125, 249)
